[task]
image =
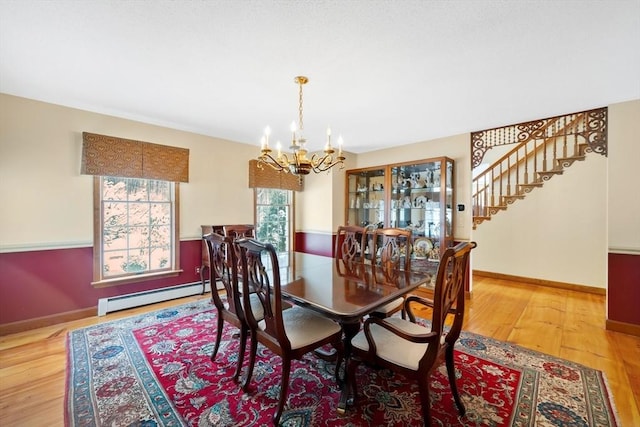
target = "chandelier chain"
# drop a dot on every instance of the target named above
(301, 123)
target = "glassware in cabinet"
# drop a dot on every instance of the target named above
(418, 195)
(366, 196)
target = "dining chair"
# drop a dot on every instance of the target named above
(391, 253)
(228, 299)
(288, 333)
(349, 244)
(414, 350)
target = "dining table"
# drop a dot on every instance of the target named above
(346, 293)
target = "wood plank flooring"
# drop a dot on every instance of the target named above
(563, 323)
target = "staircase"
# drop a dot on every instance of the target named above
(541, 150)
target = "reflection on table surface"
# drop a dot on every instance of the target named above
(345, 292)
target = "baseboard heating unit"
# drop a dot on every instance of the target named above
(121, 302)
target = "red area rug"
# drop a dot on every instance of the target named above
(154, 370)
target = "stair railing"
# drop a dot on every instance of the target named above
(543, 148)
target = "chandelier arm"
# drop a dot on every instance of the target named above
(277, 168)
(269, 160)
(318, 169)
(326, 162)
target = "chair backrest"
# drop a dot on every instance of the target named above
(237, 231)
(449, 290)
(224, 267)
(392, 248)
(348, 253)
(367, 242)
(263, 281)
(349, 243)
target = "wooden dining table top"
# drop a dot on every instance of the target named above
(345, 293)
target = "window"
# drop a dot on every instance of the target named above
(274, 224)
(136, 226)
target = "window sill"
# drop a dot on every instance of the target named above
(105, 283)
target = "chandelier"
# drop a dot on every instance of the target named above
(297, 161)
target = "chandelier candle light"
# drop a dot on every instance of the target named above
(297, 162)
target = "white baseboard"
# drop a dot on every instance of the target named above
(121, 302)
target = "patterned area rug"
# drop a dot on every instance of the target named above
(154, 370)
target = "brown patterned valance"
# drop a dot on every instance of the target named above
(270, 178)
(111, 156)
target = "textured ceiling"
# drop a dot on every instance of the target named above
(382, 73)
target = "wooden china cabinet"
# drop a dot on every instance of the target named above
(416, 195)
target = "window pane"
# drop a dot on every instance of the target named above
(137, 226)
(160, 213)
(161, 257)
(138, 214)
(273, 217)
(114, 188)
(159, 191)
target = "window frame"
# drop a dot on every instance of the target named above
(98, 278)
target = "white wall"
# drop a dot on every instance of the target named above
(556, 233)
(314, 205)
(624, 178)
(320, 207)
(46, 203)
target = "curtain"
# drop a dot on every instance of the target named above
(266, 177)
(112, 156)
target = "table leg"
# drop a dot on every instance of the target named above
(350, 330)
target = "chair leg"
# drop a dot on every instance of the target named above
(425, 400)
(241, 350)
(218, 338)
(252, 360)
(204, 285)
(286, 368)
(451, 373)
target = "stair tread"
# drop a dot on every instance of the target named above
(572, 158)
(535, 184)
(552, 171)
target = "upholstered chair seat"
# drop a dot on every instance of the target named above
(394, 349)
(304, 327)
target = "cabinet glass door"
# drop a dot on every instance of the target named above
(366, 197)
(421, 199)
(447, 237)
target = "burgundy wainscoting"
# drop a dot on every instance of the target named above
(43, 283)
(623, 293)
(315, 243)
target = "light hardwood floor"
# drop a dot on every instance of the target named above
(563, 323)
